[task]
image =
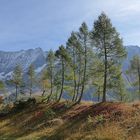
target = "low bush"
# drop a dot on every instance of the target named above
(21, 104)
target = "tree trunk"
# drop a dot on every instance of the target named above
(74, 75)
(84, 76)
(105, 77)
(51, 92)
(78, 87)
(31, 89)
(79, 78)
(62, 84)
(75, 84)
(99, 94)
(16, 91)
(43, 93)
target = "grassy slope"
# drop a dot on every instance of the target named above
(58, 121)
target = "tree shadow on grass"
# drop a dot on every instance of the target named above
(26, 121)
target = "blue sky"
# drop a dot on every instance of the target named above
(47, 24)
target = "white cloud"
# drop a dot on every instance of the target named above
(125, 15)
(49, 22)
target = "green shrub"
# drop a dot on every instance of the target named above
(21, 104)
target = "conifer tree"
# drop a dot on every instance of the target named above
(31, 77)
(134, 72)
(62, 55)
(96, 75)
(51, 71)
(72, 48)
(109, 46)
(116, 83)
(44, 82)
(84, 41)
(17, 78)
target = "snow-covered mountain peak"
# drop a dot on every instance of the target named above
(8, 60)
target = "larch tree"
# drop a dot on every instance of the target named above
(31, 77)
(57, 82)
(63, 57)
(72, 48)
(83, 37)
(44, 82)
(134, 72)
(109, 46)
(116, 83)
(51, 71)
(96, 74)
(17, 78)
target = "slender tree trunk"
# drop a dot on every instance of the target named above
(74, 75)
(31, 89)
(62, 84)
(84, 76)
(105, 77)
(79, 78)
(51, 92)
(99, 94)
(51, 86)
(75, 84)
(78, 87)
(57, 90)
(16, 91)
(43, 93)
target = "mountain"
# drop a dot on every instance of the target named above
(131, 51)
(8, 60)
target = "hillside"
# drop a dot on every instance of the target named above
(64, 121)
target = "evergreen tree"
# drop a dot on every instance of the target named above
(96, 74)
(57, 82)
(134, 72)
(72, 48)
(44, 82)
(62, 55)
(116, 83)
(121, 90)
(51, 71)
(109, 46)
(17, 78)
(31, 76)
(84, 41)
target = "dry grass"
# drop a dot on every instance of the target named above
(63, 121)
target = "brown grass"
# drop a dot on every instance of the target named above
(58, 121)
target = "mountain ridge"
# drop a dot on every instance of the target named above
(37, 56)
